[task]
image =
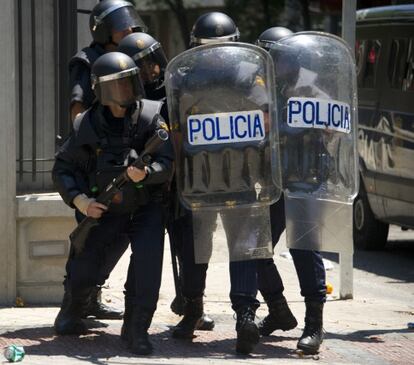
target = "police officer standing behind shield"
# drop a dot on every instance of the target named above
(212, 28)
(106, 137)
(109, 22)
(308, 264)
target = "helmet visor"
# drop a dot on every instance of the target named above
(265, 44)
(124, 18)
(122, 91)
(198, 41)
(152, 64)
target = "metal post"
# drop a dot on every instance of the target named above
(348, 22)
(8, 120)
(65, 48)
(346, 281)
(34, 89)
(346, 260)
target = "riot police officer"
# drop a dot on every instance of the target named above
(105, 138)
(272, 35)
(212, 28)
(150, 58)
(308, 264)
(109, 22)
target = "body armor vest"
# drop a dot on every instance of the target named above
(114, 153)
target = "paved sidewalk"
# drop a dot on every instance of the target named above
(370, 329)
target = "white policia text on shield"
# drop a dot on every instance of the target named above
(221, 105)
(316, 106)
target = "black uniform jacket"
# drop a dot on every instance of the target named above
(75, 160)
(80, 74)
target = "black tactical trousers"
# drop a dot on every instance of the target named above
(145, 230)
(243, 274)
(109, 259)
(308, 264)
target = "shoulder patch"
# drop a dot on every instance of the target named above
(164, 126)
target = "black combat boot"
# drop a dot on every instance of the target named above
(247, 330)
(312, 336)
(177, 305)
(126, 325)
(139, 343)
(99, 310)
(68, 320)
(193, 311)
(279, 318)
(205, 323)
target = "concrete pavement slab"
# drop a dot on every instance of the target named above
(370, 329)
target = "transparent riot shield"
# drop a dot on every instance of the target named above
(221, 109)
(317, 116)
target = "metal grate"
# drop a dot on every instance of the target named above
(47, 38)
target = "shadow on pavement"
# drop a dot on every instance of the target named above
(100, 344)
(395, 261)
(370, 336)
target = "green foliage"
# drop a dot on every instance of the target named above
(253, 16)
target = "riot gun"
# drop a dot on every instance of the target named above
(80, 233)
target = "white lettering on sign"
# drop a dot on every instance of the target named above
(319, 113)
(243, 126)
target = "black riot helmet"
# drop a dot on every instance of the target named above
(115, 80)
(213, 27)
(271, 36)
(148, 55)
(110, 16)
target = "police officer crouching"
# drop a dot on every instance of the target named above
(105, 139)
(308, 264)
(150, 58)
(109, 22)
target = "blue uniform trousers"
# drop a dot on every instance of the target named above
(308, 264)
(106, 243)
(243, 274)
